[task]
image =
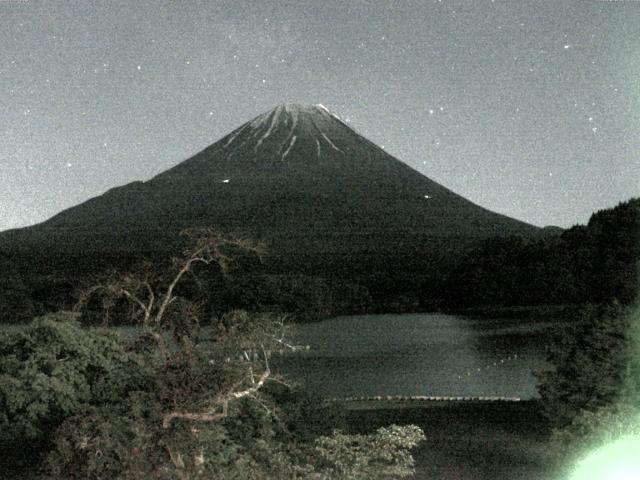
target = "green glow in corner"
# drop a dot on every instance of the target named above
(619, 460)
(618, 457)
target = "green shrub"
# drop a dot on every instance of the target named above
(591, 363)
(382, 455)
(54, 368)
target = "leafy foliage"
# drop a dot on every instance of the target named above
(54, 368)
(275, 432)
(591, 362)
(604, 425)
(177, 401)
(383, 455)
(129, 442)
(586, 263)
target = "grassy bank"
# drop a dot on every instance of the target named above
(469, 441)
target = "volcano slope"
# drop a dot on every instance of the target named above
(325, 200)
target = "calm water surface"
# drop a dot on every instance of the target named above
(419, 354)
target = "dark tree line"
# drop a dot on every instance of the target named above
(591, 392)
(585, 264)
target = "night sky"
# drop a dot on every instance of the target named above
(528, 108)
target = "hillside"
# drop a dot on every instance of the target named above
(324, 199)
(295, 176)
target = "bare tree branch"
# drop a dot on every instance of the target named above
(223, 402)
(152, 305)
(206, 247)
(199, 417)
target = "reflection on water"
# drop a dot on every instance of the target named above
(419, 354)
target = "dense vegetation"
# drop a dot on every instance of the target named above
(179, 399)
(585, 264)
(182, 401)
(595, 363)
(590, 395)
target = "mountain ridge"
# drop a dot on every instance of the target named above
(296, 176)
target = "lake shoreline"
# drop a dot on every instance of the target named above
(478, 311)
(517, 311)
(430, 355)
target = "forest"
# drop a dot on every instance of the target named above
(179, 398)
(192, 393)
(585, 264)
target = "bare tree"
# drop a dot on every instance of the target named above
(238, 349)
(152, 301)
(186, 384)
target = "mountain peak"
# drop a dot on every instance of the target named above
(325, 198)
(285, 129)
(300, 108)
(295, 111)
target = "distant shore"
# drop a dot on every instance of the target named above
(517, 311)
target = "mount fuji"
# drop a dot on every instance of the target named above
(325, 200)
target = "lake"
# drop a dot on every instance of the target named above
(419, 354)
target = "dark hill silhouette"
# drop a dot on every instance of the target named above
(591, 263)
(324, 198)
(296, 175)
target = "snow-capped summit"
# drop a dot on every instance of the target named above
(322, 196)
(289, 123)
